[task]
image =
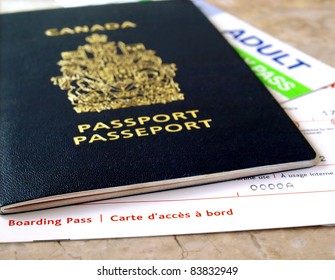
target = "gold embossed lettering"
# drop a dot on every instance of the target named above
(141, 132)
(113, 135)
(130, 122)
(190, 125)
(97, 27)
(193, 113)
(161, 118)
(127, 134)
(83, 127)
(112, 26)
(128, 24)
(93, 28)
(143, 126)
(155, 129)
(97, 137)
(179, 115)
(81, 29)
(77, 140)
(52, 32)
(116, 123)
(66, 30)
(100, 125)
(206, 122)
(144, 119)
(173, 128)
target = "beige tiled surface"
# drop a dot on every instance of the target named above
(306, 24)
(302, 243)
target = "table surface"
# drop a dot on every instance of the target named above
(307, 25)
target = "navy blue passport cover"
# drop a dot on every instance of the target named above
(201, 117)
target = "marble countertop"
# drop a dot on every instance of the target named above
(306, 25)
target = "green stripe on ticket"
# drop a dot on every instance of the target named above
(273, 78)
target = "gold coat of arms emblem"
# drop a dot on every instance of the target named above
(103, 75)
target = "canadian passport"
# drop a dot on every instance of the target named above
(106, 101)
